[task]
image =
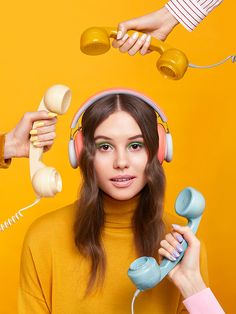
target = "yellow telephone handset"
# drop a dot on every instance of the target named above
(172, 63)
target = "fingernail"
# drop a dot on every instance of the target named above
(125, 37)
(119, 35)
(176, 226)
(33, 132)
(36, 143)
(175, 254)
(52, 114)
(33, 138)
(179, 248)
(172, 258)
(135, 35)
(143, 37)
(179, 237)
(148, 38)
(38, 124)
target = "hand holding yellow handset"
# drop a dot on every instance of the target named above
(46, 181)
(172, 63)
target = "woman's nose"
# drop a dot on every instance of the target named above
(121, 160)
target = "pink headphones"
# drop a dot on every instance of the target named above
(165, 150)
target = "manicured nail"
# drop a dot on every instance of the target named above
(172, 258)
(143, 37)
(179, 248)
(125, 37)
(36, 143)
(33, 138)
(38, 124)
(148, 38)
(119, 35)
(52, 114)
(176, 226)
(135, 35)
(179, 238)
(175, 254)
(33, 132)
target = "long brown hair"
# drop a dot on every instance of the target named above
(148, 226)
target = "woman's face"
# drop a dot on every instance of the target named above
(121, 156)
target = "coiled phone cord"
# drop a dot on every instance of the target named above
(133, 300)
(232, 57)
(12, 220)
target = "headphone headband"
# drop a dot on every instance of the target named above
(112, 91)
(165, 150)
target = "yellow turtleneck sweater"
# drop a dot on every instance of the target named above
(54, 275)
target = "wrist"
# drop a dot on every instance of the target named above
(169, 18)
(191, 284)
(9, 147)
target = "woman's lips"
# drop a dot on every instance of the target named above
(122, 181)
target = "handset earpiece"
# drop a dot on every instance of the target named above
(144, 272)
(172, 63)
(47, 181)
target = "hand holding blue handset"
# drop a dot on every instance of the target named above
(144, 272)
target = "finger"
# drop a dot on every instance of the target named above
(39, 125)
(178, 236)
(166, 254)
(43, 137)
(138, 45)
(174, 243)
(129, 42)
(39, 115)
(145, 48)
(169, 248)
(187, 233)
(43, 143)
(119, 43)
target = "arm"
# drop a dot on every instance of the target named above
(16, 142)
(188, 274)
(160, 23)
(191, 12)
(35, 277)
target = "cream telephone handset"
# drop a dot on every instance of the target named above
(46, 180)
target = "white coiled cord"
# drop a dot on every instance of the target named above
(12, 220)
(232, 57)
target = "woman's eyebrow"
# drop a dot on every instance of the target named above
(108, 138)
(102, 137)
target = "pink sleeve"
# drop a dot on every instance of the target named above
(191, 12)
(203, 302)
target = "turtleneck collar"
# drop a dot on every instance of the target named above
(118, 214)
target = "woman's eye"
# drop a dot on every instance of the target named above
(135, 146)
(103, 147)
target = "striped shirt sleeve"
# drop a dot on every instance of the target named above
(191, 12)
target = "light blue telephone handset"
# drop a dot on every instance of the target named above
(144, 272)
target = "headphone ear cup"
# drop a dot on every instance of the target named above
(162, 143)
(78, 145)
(169, 148)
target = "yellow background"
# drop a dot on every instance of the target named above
(40, 47)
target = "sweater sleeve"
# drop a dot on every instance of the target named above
(191, 12)
(3, 163)
(203, 302)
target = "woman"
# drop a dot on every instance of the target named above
(75, 259)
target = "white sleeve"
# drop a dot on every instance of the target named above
(191, 12)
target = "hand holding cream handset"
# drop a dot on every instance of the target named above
(172, 63)
(144, 272)
(46, 181)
